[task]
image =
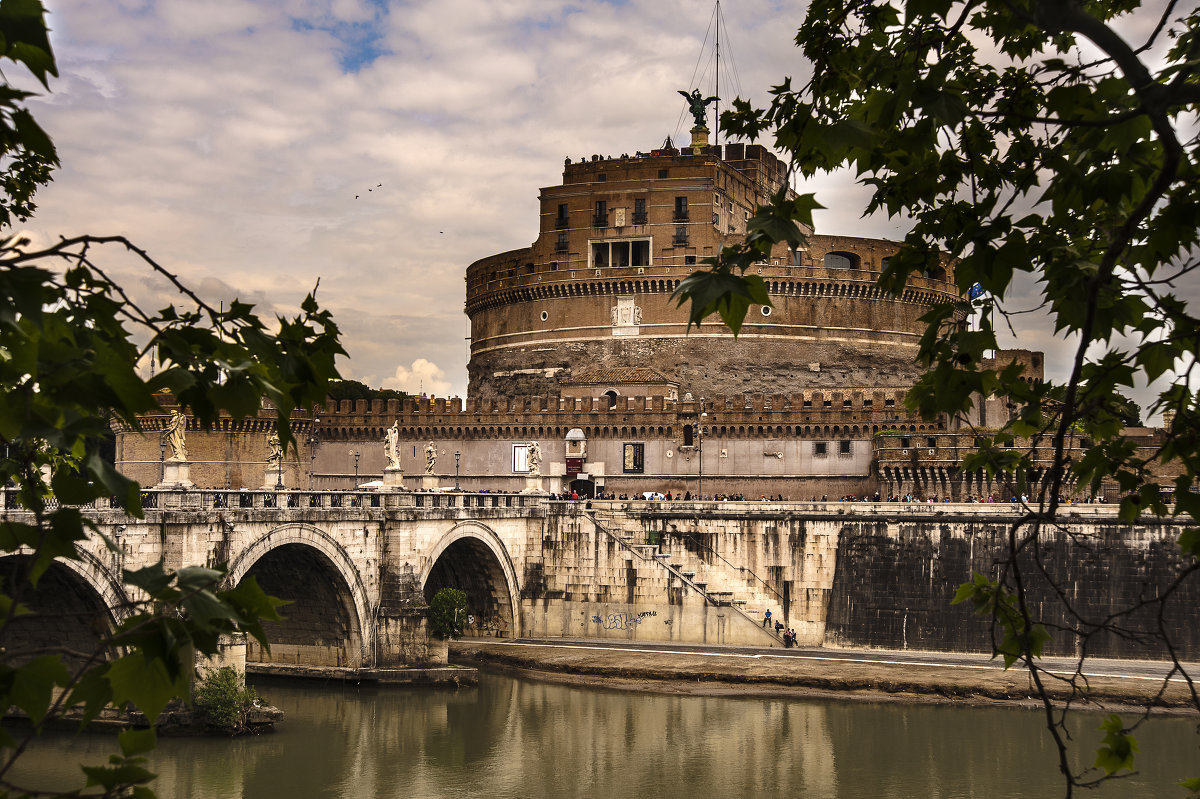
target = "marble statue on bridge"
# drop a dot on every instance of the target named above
(174, 434)
(430, 457)
(391, 445)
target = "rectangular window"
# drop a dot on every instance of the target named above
(681, 236)
(689, 260)
(932, 442)
(681, 209)
(844, 448)
(904, 443)
(601, 217)
(562, 220)
(820, 449)
(662, 173)
(639, 211)
(561, 244)
(620, 252)
(520, 458)
(888, 403)
(635, 458)
(866, 403)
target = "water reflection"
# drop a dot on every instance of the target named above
(511, 738)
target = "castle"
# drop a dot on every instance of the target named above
(584, 376)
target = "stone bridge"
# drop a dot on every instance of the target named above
(358, 569)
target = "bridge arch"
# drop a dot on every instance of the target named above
(473, 558)
(279, 560)
(74, 605)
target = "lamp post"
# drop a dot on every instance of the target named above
(312, 453)
(700, 439)
(162, 462)
(457, 454)
(356, 457)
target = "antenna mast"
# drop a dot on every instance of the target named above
(717, 82)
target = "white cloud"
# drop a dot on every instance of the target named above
(423, 377)
(232, 142)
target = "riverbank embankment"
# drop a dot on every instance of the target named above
(861, 675)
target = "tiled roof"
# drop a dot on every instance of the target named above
(617, 375)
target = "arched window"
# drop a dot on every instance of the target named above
(841, 260)
(611, 398)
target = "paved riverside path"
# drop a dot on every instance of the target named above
(870, 674)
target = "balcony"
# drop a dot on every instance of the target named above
(561, 222)
(639, 218)
(680, 239)
(681, 215)
(600, 220)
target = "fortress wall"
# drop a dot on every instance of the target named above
(857, 575)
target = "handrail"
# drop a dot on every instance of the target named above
(591, 515)
(779, 596)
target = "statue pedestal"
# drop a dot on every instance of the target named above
(699, 136)
(533, 485)
(429, 482)
(393, 478)
(273, 477)
(176, 475)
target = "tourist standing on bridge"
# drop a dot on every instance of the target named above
(767, 619)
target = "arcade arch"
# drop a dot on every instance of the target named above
(326, 622)
(473, 559)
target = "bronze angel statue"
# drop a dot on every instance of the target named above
(697, 105)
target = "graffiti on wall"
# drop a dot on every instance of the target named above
(622, 621)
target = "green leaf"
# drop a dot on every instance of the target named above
(33, 685)
(137, 742)
(1118, 747)
(145, 683)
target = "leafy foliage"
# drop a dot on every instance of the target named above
(71, 340)
(448, 613)
(1021, 138)
(224, 700)
(353, 389)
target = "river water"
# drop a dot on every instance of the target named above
(518, 738)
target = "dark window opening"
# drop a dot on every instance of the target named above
(561, 244)
(688, 436)
(844, 447)
(820, 449)
(601, 217)
(689, 260)
(888, 403)
(662, 173)
(932, 443)
(681, 236)
(639, 212)
(563, 218)
(602, 177)
(904, 442)
(681, 209)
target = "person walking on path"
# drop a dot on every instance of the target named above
(767, 619)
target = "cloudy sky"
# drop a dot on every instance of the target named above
(256, 146)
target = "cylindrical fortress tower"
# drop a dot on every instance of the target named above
(617, 238)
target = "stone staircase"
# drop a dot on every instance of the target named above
(680, 575)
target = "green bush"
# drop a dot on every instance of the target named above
(223, 700)
(447, 613)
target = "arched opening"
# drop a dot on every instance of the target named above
(610, 399)
(586, 489)
(68, 613)
(470, 565)
(320, 627)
